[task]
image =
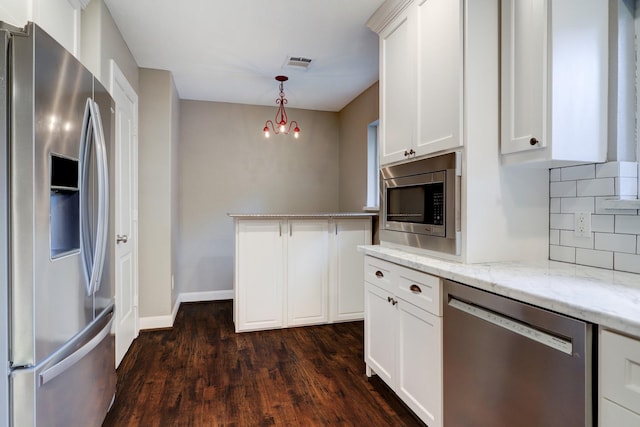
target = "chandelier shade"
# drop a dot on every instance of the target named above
(281, 123)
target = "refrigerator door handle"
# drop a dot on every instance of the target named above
(62, 366)
(86, 245)
(94, 254)
(103, 207)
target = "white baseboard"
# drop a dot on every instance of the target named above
(158, 322)
(205, 296)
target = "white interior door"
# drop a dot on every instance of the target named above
(126, 206)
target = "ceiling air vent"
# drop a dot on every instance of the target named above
(297, 63)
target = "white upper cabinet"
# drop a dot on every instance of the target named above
(440, 59)
(397, 89)
(554, 81)
(421, 77)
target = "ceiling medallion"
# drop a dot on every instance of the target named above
(280, 120)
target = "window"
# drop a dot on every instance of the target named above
(373, 166)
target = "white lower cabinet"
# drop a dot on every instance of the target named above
(307, 272)
(294, 272)
(619, 380)
(403, 341)
(259, 275)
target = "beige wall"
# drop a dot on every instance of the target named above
(101, 41)
(226, 165)
(156, 147)
(354, 121)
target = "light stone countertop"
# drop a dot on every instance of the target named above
(605, 297)
(306, 215)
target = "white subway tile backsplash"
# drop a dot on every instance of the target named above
(562, 253)
(600, 209)
(601, 259)
(578, 172)
(577, 204)
(596, 187)
(608, 170)
(568, 238)
(615, 239)
(562, 189)
(602, 223)
(626, 262)
(625, 224)
(561, 221)
(625, 187)
(629, 169)
(615, 242)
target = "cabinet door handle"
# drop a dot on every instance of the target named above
(415, 289)
(533, 141)
(280, 228)
(379, 274)
(336, 226)
(290, 229)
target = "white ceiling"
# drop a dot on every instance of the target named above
(231, 50)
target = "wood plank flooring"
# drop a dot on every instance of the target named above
(201, 373)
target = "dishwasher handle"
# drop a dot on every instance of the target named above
(520, 328)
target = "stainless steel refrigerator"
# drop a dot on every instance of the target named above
(56, 286)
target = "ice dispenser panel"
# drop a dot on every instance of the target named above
(64, 206)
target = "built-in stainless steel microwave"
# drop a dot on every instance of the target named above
(420, 203)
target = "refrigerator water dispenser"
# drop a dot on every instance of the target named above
(64, 207)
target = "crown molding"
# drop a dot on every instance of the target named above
(386, 13)
(79, 4)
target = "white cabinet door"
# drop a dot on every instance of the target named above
(380, 333)
(440, 78)
(619, 380)
(259, 278)
(397, 88)
(524, 75)
(308, 272)
(347, 275)
(419, 365)
(614, 415)
(554, 84)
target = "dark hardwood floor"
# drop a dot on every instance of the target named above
(201, 373)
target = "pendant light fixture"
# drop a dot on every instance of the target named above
(279, 125)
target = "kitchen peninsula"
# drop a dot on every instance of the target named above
(298, 269)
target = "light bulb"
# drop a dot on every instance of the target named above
(281, 127)
(296, 132)
(266, 132)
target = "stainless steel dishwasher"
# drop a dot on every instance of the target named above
(509, 364)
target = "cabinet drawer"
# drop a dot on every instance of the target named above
(620, 370)
(612, 415)
(419, 289)
(379, 272)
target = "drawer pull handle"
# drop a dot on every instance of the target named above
(415, 289)
(379, 274)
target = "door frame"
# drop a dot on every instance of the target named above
(118, 79)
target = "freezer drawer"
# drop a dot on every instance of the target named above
(74, 387)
